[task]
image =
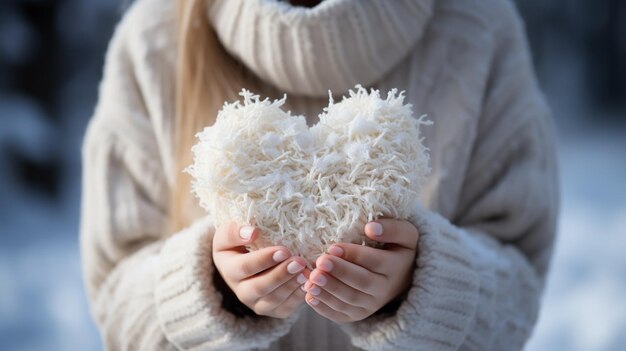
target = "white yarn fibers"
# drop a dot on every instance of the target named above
(306, 188)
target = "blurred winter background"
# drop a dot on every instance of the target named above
(51, 57)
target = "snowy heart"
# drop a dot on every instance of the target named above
(306, 188)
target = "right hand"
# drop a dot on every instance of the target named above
(268, 280)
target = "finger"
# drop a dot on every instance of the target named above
(245, 265)
(347, 294)
(326, 311)
(336, 304)
(349, 273)
(393, 231)
(372, 259)
(285, 309)
(278, 296)
(254, 288)
(303, 278)
(295, 284)
(232, 235)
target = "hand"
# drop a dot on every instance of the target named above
(268, 280)
(351, 281)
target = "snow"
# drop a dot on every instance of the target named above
(42, 300)
(43, 304)
(584, 306)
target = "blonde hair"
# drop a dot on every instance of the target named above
(206, 76)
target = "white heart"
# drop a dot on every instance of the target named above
(306, 188)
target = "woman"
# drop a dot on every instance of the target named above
(473, 260)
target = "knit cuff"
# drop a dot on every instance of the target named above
(439, 308)
(189, 306)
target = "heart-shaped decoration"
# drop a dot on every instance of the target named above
(306, 188)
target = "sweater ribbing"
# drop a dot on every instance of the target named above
(487, 224)
(259, 32)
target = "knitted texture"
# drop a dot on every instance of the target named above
(307, 188)
(331, 46)
(490, 202)
(190, 309)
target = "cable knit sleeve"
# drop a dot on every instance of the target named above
(148, 290)
(479, 276)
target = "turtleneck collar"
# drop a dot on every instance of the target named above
(334, 45)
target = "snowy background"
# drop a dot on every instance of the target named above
(51, 56)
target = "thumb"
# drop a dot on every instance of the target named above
(232, 235)
(393, 231)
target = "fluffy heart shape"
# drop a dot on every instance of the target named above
(306, 188)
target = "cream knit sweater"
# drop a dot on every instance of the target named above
(487, 225)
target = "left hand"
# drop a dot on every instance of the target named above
(352, 281)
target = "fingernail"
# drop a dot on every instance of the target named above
(301, 279)
(326, 265)
(280, 256)
(246, 232)
(315, 290)
(307, 285)
(376, 228)
(335, 251)
(319, 280)
(294, 267)
(313, 301)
